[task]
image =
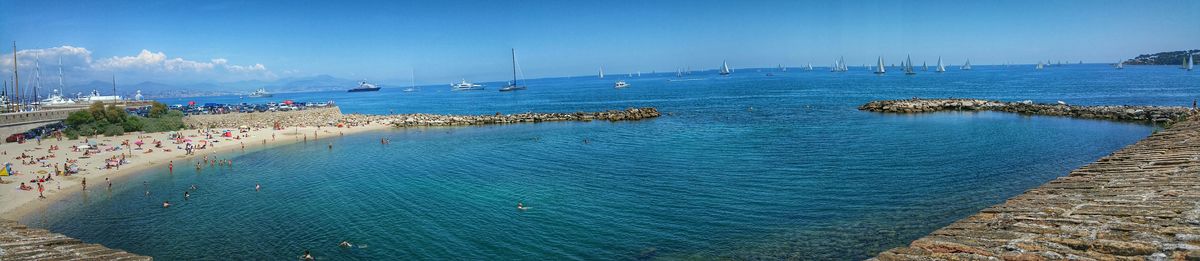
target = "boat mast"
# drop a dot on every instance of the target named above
(514, 65)
(37, 76)
(114, 82)
(16, 78)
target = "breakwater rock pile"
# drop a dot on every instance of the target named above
(18, 242)
(1139, 203)
(418, 120)
(308, 117)
(1156, 114)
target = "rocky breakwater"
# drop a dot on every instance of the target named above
(1156, 114)
(308, 117)
(1139, 203)
(18, 242)
(419, 120)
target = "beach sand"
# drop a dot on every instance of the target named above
(16, 203)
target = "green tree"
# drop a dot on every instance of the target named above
(80, 118)
(114, 114)
(97, 110)
(157, 109)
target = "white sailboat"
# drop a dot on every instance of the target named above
(412, 80)
(908, 67)
(601, 72)
(1120, 65)
(809, 67)
(924, 66)
(966, 66)
(513, 86)
(1189, 62)
(940, 67)
(1039, 66)
(725, 68)
(879, 68)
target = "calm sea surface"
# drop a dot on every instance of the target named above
(746, 166)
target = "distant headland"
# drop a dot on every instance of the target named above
(1162, 58)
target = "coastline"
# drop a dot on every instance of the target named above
(17, 204)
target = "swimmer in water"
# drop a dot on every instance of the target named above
(345, 244)
(257, 187)
(166, 204)
(521, 206)
(307, 256)
(186, 195)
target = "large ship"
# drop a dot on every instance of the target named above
(365, 87)
(261, 92)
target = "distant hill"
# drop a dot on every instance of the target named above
(1163, 58)
(163, 90)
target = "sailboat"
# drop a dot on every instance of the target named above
(809, 68)
(879, 69)
(513, 86)
(1120, 65)
(1039, 65)
(924, 66)
(724, 68)
(1189, 62)
(908, 67)
(412, 81)
(782, 69)
(601, 72)
(941, 67)
(966, 66)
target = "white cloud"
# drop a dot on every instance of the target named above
(147, 65)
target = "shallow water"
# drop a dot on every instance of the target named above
(741, 167)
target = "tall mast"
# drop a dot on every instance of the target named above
(114, 84)
(514, 64)
(61, 86)
(37, 76)
(16, 78)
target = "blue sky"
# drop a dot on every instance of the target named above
(448, 40)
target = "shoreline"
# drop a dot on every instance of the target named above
(18, 204)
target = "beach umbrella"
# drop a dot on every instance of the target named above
(138, 142)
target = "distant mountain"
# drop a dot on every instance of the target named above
(1163, 58)
(163, 90)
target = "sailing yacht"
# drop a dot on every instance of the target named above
(941, 67)
(879, 69)
(261, 92)
(924, 66)
(601, 72)
(725, 68)
(513, 86)
(412, 81)
(908, 67)
(1189, 62)
(1120, 65)
(1039, 65)
(809, 68)
(966, 66)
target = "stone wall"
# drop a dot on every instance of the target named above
(1122, 113)
(414, 120)
(1139, 203)
(308, 117)
(18, 242)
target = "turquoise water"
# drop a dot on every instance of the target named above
(742, 167)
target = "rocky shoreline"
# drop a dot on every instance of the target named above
(18, 242)
(1149, 114)
(333, 116)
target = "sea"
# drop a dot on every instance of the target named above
(746, 166)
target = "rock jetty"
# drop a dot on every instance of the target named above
(18, 242)
(333, 116)
(1139, 203)
(1155, 114)
(418, 120)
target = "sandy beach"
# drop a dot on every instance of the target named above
(15, 203)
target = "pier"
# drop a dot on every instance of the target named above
(333, 116)
(18, 242)
(1139, 203)
(1155, 114)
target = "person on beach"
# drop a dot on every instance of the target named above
(40, 190)
(84, 182)
(171, 166)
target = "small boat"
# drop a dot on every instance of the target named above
(924, 66)
(412, 81)
(620, 84)
(260, 93)
(966, 66)
(1190, 62)
(724, 69)
(908, 68)
(1039, 66)
(1120, 65)
(364, 86)
(513, 86)
(940, 67)
(879, 69)
(465, 86)
(809, 67)
(601, 72)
